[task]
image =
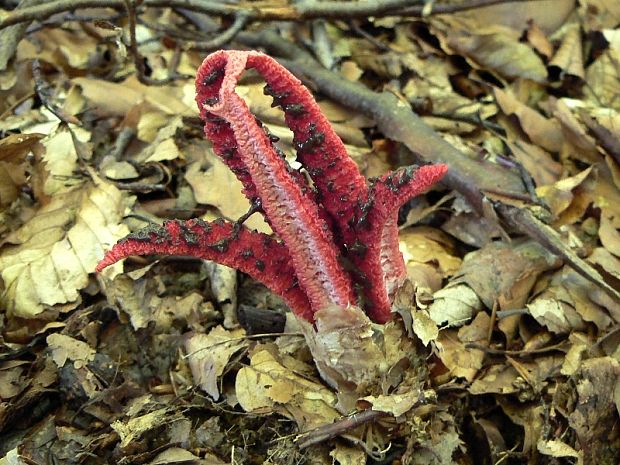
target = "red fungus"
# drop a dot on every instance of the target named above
(344, 218)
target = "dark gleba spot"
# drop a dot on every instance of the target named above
(294, 109)
(151, 233)
(189, 236)
(212, 76)
(220, 246)
(315, 138)
(277, 97)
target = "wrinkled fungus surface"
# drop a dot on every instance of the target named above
(341, 217)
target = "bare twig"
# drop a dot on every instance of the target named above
(42, 89)
(300, 11)
(523, 220)
(604, 136)
(355, 27)
(324, 433)
(241, 19)
(321, 44)
(562, 346)
(469, 118)
(138, 59)
(443, 9)
(123, 140)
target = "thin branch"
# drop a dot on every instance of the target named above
(523, 220)
(241, 19)
(355, 27)
(443, 9)
(43, 91)
(301, 11)
(324, 433)
(470, 118)
(138, 59)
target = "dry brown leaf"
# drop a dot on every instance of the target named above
(12, 379)
(566, 304)
(577, 143)
(454, 305)
(460, 360)
(497, 379)
(118, 170)
(529, 417)
(594, 408)
(112, 98)
(218, 186)
(395, 404)
(549, 15)
(608, 232)
(62, 150)
(209, 354)
(12, 177)
(427, 245)
(542, 131)
(139, 299)
(559, 196)
(537, 162)
(348, 455)
(557, 448)
(57, 249)
(555, 315)
(109, 98)
(150, 121)
(569, 57)
(338, 337)
(495, 48)
(267, 385)
(602, 76)
(62, 46)
(15, 147)
(223, 284)
(599, 14)
(576, 354)
(537, 37)
(505, 273)
(67, 348)
(608, 262)
(423, 326)
(132, 429)
(164, 146)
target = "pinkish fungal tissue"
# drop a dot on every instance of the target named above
(338, 218)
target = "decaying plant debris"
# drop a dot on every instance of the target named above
(505, 347)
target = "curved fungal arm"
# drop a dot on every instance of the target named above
(230, 244)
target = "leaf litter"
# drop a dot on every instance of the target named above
(151, 365)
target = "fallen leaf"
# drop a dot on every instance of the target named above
(57, 249)
(454, 305)
(67, 348)
(209, 354)
(496, 49)
(569, 57)
(542, 131)
(268, 385)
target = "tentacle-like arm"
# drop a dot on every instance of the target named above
(293, 215)
(254, 253)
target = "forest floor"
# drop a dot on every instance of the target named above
(514, 310)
